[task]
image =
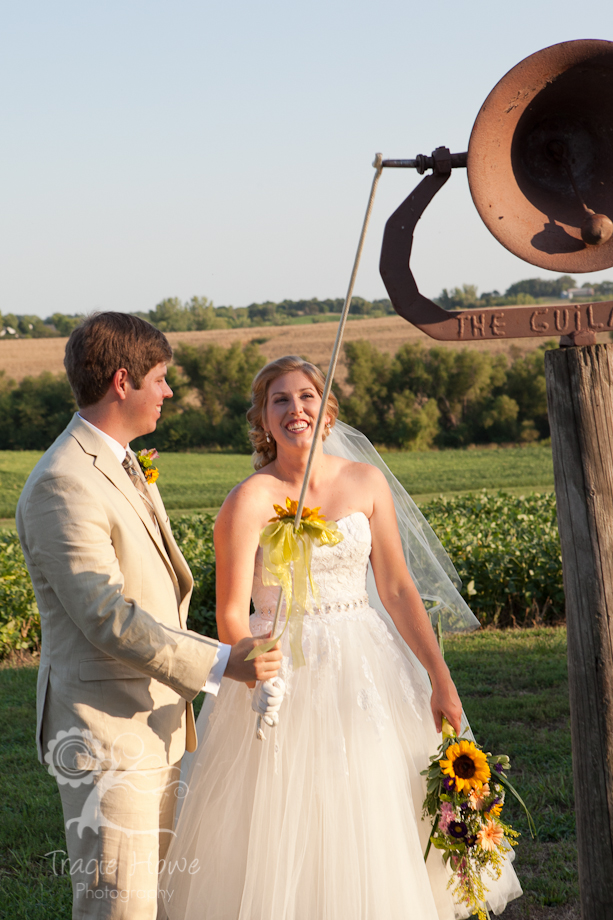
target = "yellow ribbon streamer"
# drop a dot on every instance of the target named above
(287, 562)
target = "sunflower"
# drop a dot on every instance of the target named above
(291, 507)
(467, 765)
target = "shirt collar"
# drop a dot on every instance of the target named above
(118, 449)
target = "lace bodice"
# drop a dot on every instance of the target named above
(338, 571)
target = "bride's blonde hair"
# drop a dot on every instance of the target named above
(265, 452)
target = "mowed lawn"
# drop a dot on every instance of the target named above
(194, 481)
(515, 691)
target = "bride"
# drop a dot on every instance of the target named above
(322, 820)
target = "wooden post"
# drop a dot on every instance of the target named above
(580, 398)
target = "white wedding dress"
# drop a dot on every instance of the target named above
(322, 820)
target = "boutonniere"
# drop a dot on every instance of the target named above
(145, 461)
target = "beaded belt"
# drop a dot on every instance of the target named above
(268, 613)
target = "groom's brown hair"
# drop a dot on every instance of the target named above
(102, 344)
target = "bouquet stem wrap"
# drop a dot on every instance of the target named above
(287, 563)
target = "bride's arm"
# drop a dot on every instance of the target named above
(236, 535)
(403, 603)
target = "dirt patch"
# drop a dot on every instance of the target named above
(30, 357)
(21, 659)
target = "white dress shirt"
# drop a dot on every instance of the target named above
(223, 652)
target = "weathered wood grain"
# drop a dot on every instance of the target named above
(580, 398)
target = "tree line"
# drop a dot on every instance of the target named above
(423, 398)
(531, 290)
(418, 399)
(199, 313)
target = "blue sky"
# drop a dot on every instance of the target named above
(155, 149)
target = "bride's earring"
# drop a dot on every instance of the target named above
(268, 438)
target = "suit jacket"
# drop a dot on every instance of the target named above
(113, 594)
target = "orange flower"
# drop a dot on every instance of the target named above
(477, 797)
(491, 836)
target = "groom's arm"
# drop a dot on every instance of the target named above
(67, 542)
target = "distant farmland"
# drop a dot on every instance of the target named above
(30, 357)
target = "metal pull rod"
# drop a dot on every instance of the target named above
(421, 162)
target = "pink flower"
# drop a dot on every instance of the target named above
(447, 816)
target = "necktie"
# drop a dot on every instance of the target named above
(134, 473)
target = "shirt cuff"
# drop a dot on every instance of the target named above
(213, 682)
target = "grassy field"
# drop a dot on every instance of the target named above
(514, 688)
(202, 481)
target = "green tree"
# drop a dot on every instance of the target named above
(411, 422)
(538, 287)
(458, 298)
(10, 321)
(526, 385)
(263, 313)
(461, 382)
(169, 315)
(36, 412)
(368, 373)
(65, 323)
(221, 378)
(499, 419)
(204, 316)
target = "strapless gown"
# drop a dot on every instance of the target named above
(322, 820)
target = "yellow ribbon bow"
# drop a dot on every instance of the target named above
(287, 562)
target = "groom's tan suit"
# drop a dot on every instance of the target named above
(118, 668)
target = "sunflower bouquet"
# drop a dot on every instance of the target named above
(465, 795)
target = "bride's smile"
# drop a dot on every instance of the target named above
(292, 408)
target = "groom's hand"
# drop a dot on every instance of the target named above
(264, 667)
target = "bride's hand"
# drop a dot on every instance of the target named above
(446, 702)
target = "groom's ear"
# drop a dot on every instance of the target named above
(120, 383)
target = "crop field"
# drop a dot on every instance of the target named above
(30, 357)
(198, 481)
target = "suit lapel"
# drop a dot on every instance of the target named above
(110, 467)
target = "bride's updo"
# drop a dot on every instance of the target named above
(266, 451)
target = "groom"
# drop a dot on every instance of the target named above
(118, 667)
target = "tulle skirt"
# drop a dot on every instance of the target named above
(322, 820)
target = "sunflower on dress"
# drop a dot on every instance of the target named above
(465, 795)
